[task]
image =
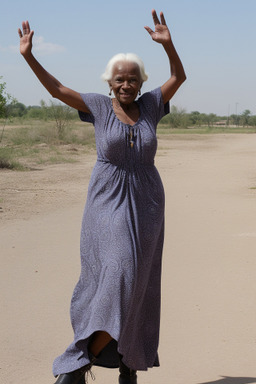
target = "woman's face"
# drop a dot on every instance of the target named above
(126, 81)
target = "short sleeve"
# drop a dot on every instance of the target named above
(153, 103)
(96, 103)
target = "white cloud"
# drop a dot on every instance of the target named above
(40, 46)
(43, 48)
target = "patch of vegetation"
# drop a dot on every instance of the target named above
(28, 143)
(7, 160)
(52, 138)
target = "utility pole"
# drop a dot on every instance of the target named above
(236, 114)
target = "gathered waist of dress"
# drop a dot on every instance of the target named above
(128, 165)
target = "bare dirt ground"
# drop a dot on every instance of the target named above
(208, 329)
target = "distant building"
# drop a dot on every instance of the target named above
(221, 122)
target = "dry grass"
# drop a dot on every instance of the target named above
(33, 143)
(29, 144)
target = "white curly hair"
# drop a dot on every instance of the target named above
(130, 57)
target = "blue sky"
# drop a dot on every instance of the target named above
(74, 40)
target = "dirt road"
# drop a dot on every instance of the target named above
(208, 327)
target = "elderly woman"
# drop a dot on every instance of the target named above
(115, 307)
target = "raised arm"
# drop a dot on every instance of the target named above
(53, 86)
(162, 36)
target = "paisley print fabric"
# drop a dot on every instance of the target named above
(121, 240)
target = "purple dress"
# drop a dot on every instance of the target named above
(121, 241)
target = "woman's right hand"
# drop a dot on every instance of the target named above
(53, 86)
(26, 36)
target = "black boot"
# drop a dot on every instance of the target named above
(78, 376)
(75, 377)
(127, 375)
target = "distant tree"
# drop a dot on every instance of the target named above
(212, 118)
(177, 118)
(44, 110)
(204, 118)
(34, 112)
(252, 121)
(232, 119)
(245, 117)
(208, 119)
(61, 115)
(3, 98)
(195, 118)
(16, 109)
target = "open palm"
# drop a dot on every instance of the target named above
(161, 34)
(26, 36)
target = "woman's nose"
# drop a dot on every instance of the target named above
(126, 84)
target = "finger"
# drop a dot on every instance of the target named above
(149, 30)
(28, 26)
(31, 36)
(155, 17)
(25, 27)
(162, 18)
(20, 33)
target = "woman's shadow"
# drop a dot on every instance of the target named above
(232, 380)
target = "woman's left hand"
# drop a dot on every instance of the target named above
(161, 34)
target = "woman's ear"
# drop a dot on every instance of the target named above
(140, 88)
(110, 87)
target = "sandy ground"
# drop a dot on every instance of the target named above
(208, 328)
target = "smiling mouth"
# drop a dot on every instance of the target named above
(125, 94)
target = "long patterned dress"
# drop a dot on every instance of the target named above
(121, 240)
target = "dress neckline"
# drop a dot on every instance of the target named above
(122, 122)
